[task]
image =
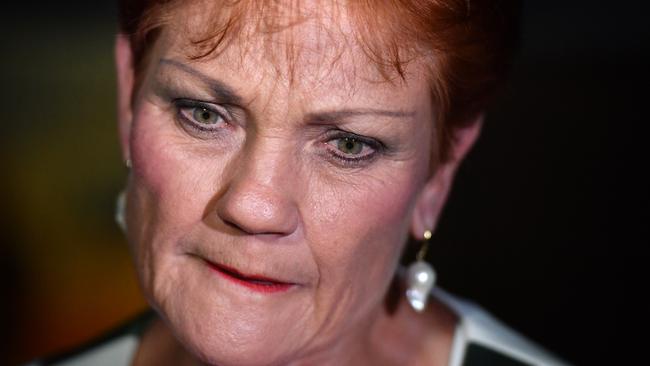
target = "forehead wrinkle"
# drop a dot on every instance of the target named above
(299, 36)
(312, 77)
(308, 52)
(343, 68)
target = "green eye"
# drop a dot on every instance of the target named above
(350, 146)
(349, 150)
(205, 116)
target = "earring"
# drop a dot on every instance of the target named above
(120, 203)
(420, 278)
(120, 206)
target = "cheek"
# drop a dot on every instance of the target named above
(168, 192)
(361, 230)
(171, 186)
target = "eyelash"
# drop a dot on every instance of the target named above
(188, 122)
(352, 162)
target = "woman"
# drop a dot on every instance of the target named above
(281, 155)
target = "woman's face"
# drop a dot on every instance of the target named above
(269, 201)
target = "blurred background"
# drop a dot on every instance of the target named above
(545, 227)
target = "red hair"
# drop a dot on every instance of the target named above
(471, 43)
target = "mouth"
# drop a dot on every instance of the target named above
(252, 282)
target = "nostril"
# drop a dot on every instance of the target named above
(246, 231)
(250, 231)
(233, 225)
(257, 224)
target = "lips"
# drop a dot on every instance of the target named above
(251, 281)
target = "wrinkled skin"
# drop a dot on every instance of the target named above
(260, 178)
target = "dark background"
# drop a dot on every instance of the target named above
(545, 227)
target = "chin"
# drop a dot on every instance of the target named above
(225, 325)
(225, 342)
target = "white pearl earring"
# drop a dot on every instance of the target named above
(120, 207)
(420, 278)
(120, 204)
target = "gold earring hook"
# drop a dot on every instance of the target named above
(425, 245)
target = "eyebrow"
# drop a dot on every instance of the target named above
(219, 88)
(226, 93)
(334, 116)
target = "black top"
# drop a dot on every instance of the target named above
(479, 340)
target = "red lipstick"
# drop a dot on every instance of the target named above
(253, 282)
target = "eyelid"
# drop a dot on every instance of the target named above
(222, 111)
(339, 134)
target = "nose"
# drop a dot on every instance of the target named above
(260, 194)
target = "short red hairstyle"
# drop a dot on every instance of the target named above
(471, 43)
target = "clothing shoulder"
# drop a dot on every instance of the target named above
(114, 349)
(481, 339)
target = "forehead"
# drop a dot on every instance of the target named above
(307, 51)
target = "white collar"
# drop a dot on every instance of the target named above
(475, 325)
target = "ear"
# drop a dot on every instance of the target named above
(125, 76)
(434, 194)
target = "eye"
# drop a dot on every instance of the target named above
(205, 116)
(352, 150)
(200, 115)
(350, 145)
